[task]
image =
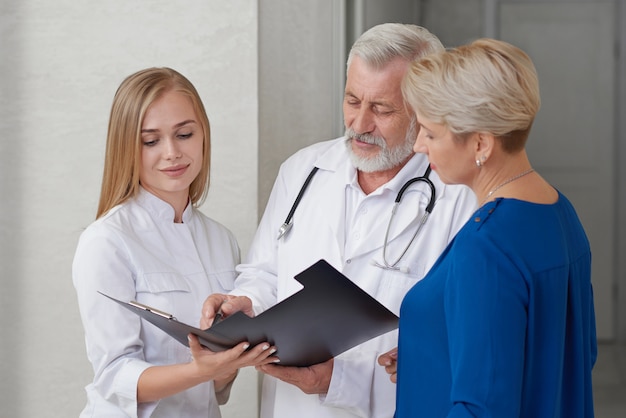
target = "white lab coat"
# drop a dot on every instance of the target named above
(359, 386)
(137, 252)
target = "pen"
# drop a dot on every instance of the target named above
(218, 317)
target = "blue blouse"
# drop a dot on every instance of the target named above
(503, 325)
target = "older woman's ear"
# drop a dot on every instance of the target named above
(484, 143)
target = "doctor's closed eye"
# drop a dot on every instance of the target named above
(383, 111)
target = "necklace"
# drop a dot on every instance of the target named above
(492, 191)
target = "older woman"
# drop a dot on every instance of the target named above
(503, 325)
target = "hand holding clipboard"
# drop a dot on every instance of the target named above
(329, 316)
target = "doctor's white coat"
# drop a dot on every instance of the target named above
(337, 222)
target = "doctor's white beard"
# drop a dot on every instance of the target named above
(387, 158)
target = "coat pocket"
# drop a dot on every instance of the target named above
(162, 282)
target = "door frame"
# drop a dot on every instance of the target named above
(620, 129)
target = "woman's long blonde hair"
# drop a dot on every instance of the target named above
(120, 180)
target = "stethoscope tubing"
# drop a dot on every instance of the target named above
(286, 226)
(429, 208)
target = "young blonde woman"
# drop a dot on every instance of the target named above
(503, 324)
(151, 244)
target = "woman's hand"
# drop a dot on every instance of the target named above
(158, 382)
(222, 366)
(390, 361)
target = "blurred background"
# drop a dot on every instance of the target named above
(271, 75)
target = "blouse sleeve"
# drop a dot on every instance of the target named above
(485, 304)
(101, 264)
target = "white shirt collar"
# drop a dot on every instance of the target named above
(160, 209)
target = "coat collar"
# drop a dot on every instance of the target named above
(161, 209)
(336, 162)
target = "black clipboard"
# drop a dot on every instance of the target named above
(328, 316)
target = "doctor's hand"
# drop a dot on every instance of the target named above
(310, 380)
(226, 304)
(390, 361)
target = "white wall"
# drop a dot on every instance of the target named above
(60, 63)
(301, 77)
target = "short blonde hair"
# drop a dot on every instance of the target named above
(120, 180)
(486, 86)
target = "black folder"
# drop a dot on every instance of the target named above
(328, 316)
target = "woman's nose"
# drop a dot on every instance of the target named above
(419, 146)
(172, 149)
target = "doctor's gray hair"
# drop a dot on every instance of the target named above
(383, 43)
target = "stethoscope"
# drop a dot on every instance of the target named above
(429, 209)
(286, 226)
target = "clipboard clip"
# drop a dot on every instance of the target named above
(153, 310)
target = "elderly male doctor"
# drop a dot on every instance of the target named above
(343, 217)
